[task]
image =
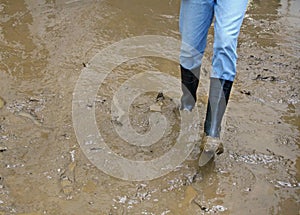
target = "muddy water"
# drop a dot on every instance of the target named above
(44, 45)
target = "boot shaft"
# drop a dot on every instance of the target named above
(219, 93)
(189, 85)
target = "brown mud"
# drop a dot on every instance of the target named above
(45, 45)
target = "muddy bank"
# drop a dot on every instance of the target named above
(44, 47)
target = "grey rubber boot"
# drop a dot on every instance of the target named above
(219, 93)
(189, 85)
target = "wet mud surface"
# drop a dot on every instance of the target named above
(44, 47)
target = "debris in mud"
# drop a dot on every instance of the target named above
(30, 108)
(1, 181)
(3, 149)
(246, 92)
(66, 184)
(255, 60)
(85, 65)
(214, 209)
(67, 178)
(34, 99)
(160, 97)
(268, 160)
(265, 78)
(116, 121)
(31, 117)
(2, 103)
(155, 108)
(100, 100)
(203, 208)
(191, 178)
(142, 193)
(89, 105)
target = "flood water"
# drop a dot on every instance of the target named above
(46, 44)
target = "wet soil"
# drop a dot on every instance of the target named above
(44, 47)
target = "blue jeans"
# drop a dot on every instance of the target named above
(196, 17)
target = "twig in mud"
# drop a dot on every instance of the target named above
(34, 120)
(203, 208)
(262, 78)
(29, 116)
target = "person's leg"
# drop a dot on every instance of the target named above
(229, 16)
(228, 19)
(195, 20)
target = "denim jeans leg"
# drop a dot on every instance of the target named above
(195, 19)
(229, 16)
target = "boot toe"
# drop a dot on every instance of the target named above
(209, 148)
(206, 157)
(186, 107)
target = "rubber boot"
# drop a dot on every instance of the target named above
(219, 93)
(189, 85)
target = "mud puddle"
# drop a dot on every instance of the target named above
(44, 47)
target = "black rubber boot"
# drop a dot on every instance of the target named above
(219, 93)
(211, 144)
(189, 85)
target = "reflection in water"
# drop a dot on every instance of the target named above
(290, 18)
(261, 24)
(269, 9)
(20, 57)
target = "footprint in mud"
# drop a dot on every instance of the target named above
(235, 176)
(189, 197)
(224, 183)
